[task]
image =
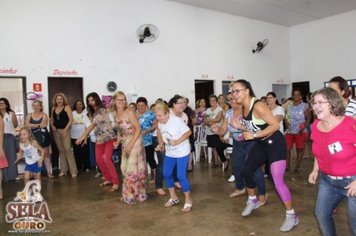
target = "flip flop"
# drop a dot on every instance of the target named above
(105, 183)
(171, 202)
(187, 207)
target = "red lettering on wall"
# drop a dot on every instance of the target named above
(205, 76)
(9, 71)
(64, 72)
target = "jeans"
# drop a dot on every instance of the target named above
(168, 171)
(331, 193)
(240, 152)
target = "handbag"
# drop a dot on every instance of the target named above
(41, 136)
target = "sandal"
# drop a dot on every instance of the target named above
(114, 188)
(128, 201)
(105, 183)
(187, 207)
(171, 202)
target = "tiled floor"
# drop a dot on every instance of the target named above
(80, 207)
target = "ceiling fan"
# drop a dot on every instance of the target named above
(147, 33)
(260, 46)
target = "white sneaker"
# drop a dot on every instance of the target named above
(231, 179)
(250, 206)
(290, 221)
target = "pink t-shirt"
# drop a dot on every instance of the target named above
(335, 150)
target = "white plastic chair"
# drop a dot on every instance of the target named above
(201, 143)
(228, 153)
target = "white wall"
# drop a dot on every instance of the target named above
(323, 49)
(97, 39)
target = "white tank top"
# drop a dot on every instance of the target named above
(8, 125)
(30, 153)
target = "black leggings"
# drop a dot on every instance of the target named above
(150, 156)
(215, 142)
(271, 149)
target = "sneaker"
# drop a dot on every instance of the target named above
(250, 206)
(290, 221)
(231, 179)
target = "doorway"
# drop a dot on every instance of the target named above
(303, 86)
(281, 90)
(203, 89)
(14, 90)
(226, 86)
(72, 87)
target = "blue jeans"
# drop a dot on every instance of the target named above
(331, 193)
(181, 164)
(240, 152)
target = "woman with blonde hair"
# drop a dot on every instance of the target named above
(61, 121)
(133, 159)
(37, 121)
(33, 154)
(173, 136)
(222, 103)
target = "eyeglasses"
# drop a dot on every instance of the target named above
(319, 102)
(237, 90)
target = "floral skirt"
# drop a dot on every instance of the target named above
(134, 171)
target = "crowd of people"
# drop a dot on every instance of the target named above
(263, 135)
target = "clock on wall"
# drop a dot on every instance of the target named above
(111, 86)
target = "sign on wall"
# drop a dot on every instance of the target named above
(37, 87)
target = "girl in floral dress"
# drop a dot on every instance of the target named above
(133, 159)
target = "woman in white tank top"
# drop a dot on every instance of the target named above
(9, 145)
